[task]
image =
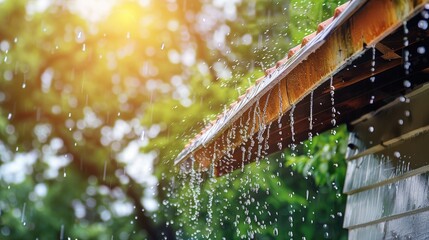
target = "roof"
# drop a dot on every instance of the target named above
(361, 32)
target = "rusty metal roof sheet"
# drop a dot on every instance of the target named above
(321, 56)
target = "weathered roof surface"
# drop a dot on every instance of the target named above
(320, 63)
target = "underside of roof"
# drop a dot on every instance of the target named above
(368, 54)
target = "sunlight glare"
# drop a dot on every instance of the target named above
(94, 10)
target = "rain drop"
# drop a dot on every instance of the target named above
(62, 232)
(23, 213)
(407, 113)
(371, 129)
(407, 83)
(397, 154)
(405, 27)
(142, 136)
(425, 14)
(373, 60)
(276, 232)
(423, 24)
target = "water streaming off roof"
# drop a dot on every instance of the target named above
(322, 58)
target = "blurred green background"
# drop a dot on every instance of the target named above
(98, 97)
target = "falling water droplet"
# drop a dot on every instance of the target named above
(23, 213)
(407, 83)
(407, 113)
(276, 232)
(9, 116)
(423, 24)
(83, 47)
(162, 46)
(425, 14)
(397, 154)
(405, 27)
(333, 110)
(401, 122)
(373, 61)
(24, 85)
(310, 119)
(421, 50)
(292, 122)
(371, 129)
(104, 171)
(62, 232)
(142, 136)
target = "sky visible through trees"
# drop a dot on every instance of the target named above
(97, 98)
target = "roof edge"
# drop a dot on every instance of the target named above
(266, 83)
